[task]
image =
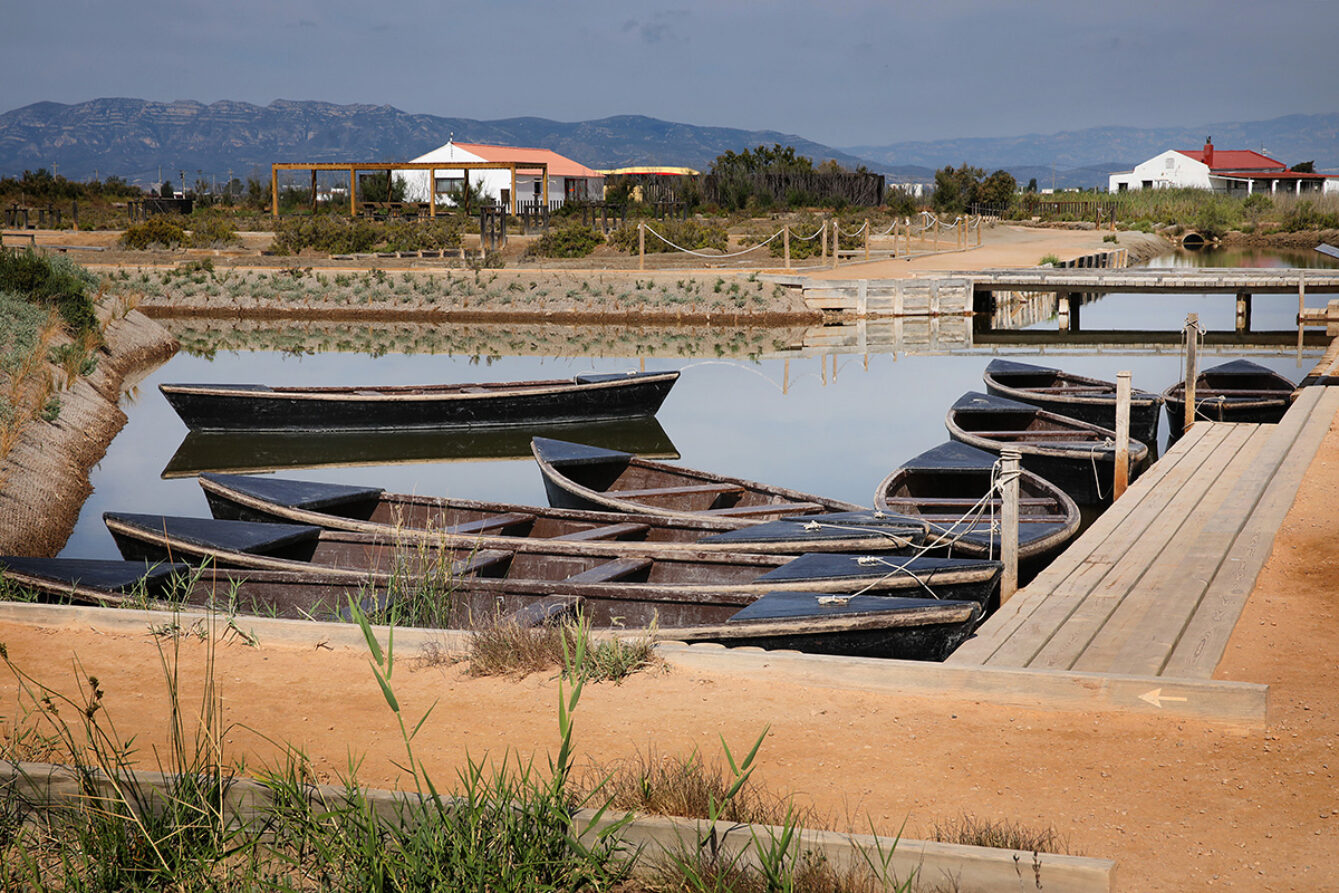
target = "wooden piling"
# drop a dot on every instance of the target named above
(1192, 364)
(1010, 460)
(1122, 476)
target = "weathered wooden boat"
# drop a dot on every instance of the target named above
(110, 583)
(816, 623)
(582, 476)
(1078, 457)
(857, 626)
(680, 587)
(402, 518)
(1087, 399)
(952, 487)
(232, 407)
(1237, 391)
(257, 451)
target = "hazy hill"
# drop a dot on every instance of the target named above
(1292, 139)
(134, 137)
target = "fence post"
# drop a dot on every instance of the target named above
(1010, 460)
(836, 243)
(979, 227)
(1192, 362)
(785, 243)
(823, 242)
(866, 238)
(641, 245)
(1122, 478)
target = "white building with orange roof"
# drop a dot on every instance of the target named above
(568, 180)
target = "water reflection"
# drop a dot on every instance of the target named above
(233, 451)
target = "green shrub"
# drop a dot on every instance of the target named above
(155, 232)
(694, 235)
(211, 230)
(52, 282)
(325, 232)
(567, 240)
(435, 235)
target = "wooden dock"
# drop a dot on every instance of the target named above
(1155, 586)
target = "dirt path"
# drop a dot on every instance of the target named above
(1179, 805)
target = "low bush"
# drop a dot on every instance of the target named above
(440, 234)
(324, 232)
(51, 282)
(212, 230)
(693, 235)
(156, 232)
(570, 239)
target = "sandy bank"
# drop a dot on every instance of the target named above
(44, 479)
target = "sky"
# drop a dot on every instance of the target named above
(841, 72)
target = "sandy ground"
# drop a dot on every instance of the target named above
(1179, 805)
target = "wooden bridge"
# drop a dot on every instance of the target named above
(1231, 280)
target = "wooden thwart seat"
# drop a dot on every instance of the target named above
(780, 508)
(607, 532)
(679, 491)
(481, 560)
(617, 569)
(492, 522)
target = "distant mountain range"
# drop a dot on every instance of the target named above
(138, 139)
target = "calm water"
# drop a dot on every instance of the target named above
(833, 424)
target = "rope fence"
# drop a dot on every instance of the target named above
(924, 227)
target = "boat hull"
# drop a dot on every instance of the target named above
(225, 407)
(1095, 403)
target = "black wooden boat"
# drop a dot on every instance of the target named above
(681, 588)
(817, 623)
(233, 407)
(402, 518)
(299, 595)
(1237, 391)
(256, 451)
(1087, 399)
(1078, 457)
(952, 488)
(582, 476)
(820, 623)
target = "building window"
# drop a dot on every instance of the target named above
(1122, 187)
(1147, 184)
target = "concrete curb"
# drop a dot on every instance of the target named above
(934, 865)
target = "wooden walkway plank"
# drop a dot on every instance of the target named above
(1139, 550)
(1138, 636)
(1108, 544)
(1005, 622)
(1201, 647)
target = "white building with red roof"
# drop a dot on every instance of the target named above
(1236, 171)
(568, 180)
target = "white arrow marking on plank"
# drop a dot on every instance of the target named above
(1156, 697)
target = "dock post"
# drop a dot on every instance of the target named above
(1243, 311)
(1192, 363)
(1009, 471)
(1301, 298)
(1122, 477)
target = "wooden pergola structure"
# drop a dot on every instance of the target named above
(353, 168)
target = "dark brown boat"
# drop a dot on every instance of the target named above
(856, 626)
(1077, 396)
(952, 487)
(1078, 457)
(398, 517)
(680, 587)
(586, 477)
(248, 407)
(1237, 391)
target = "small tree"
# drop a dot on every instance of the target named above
(998, 189)
(166, 190)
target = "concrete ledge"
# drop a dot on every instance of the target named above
(1233, 703)
(933, 865)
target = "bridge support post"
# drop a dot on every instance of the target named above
(1243, 311)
